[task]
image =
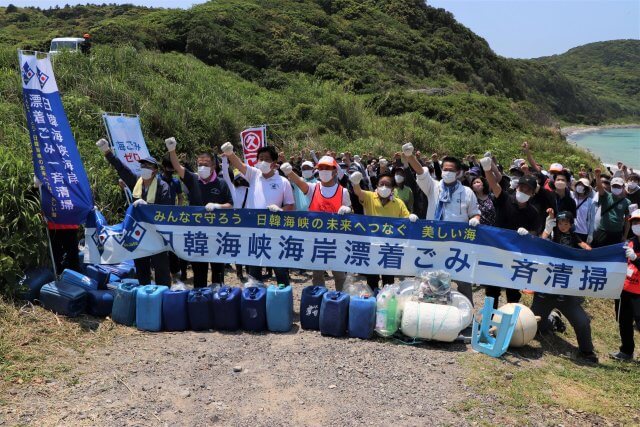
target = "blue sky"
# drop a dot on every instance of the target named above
(513, 28)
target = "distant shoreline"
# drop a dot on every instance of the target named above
(570, 131)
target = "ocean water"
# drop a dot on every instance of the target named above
(612, 145)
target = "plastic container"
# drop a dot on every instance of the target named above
(33, 280)
(100, 302)
(362, 317)
(99, 274)
(149, 307)
(387, 313)
(62, 298)
(174, 310)
(310, 303)
(200, 309)
(226, 308)
(279, 308)
(124, 304)
(431, 321)
(334, 314)
(74, 278)
(253, 307)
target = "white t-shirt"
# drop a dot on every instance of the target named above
(463, 204)
(263, 192)
(328, 192)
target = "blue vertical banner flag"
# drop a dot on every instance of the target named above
(126, 138)
(66, 194)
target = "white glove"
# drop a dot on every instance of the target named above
(474, 222)
(227, 148)
(171, 144)
(485, 162)
(274, 208)
(630, 253)
(522, 231)
(407, 149)
(589, 239)
(286, 168)
(549, 225)
(139, 202)
(36, 182)
(344, 210)
(355, 178)
(103, 145)
(210, 207)
(413, 217)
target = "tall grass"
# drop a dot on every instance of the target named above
(204, 106)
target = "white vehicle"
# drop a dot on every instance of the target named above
(71, 44)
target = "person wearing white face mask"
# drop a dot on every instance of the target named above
(633, 188)
(267, 190)
(208, 190)
(514, 212)
(628, 306)
(326, 196)
(613, 209)
(147, 188)
(585, 210)
(380, 203)
(402, 191)
(308, 175)
(448, 200)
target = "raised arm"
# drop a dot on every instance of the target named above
(171, 144)
(123, 171)
(293, 177)
(530, 159)
(487, 165)
(355, 179)
(599, 186)
(227, 151)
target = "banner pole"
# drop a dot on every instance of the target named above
(46, 228)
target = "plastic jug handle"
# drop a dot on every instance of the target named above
(151, 290)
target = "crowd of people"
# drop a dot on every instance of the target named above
(583, 209)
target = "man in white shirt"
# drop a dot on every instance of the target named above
(449, 200)
(267, 190)
(326, 196)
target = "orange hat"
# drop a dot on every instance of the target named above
(86, 36)
(556, 167)
(328, 161)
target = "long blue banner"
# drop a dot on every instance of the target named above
(66, 194)
(358, 244)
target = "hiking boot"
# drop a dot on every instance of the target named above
(588, 356)
(621, 357)
(557, 324)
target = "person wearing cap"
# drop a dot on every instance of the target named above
(613, 209)
(208, 190)
(558, 229)
(85, 46)
(585, 210)
(514, 212)
(448, 199)
(628, 306)
(267, 190)
(632, 188)
(324, 196)
(147, 188)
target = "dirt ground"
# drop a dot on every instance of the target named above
(295, 378)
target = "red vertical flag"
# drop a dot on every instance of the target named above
(253, 139)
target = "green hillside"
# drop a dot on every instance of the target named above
(332, 75)
(367, 46)
(609, 70)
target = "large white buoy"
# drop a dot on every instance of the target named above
(526, 327)
(431, 321)
(465, 307)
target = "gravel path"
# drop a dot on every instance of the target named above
(299, 378)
